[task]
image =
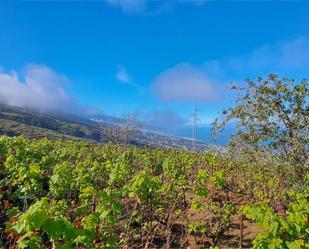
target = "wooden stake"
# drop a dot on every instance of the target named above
(241, 231)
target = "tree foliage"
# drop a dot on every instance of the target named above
(271, 113)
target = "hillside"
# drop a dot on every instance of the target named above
(16, 121)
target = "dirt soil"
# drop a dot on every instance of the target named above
(231, 238)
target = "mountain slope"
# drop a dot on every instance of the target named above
(16, 121)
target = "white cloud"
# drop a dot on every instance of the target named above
(149, 6)
(184, 82)
(288, 58)
(41, 88)
(122, 75)
(194, 2)
(187, 82)
(129, 6)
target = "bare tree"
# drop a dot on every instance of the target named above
(123, 133)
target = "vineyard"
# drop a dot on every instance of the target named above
(68, 194)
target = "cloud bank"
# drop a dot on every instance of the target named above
(41, 88)
(171, 123)
(165, 119)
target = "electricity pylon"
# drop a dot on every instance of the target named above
(195, 119)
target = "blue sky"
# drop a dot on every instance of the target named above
(151, 57)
